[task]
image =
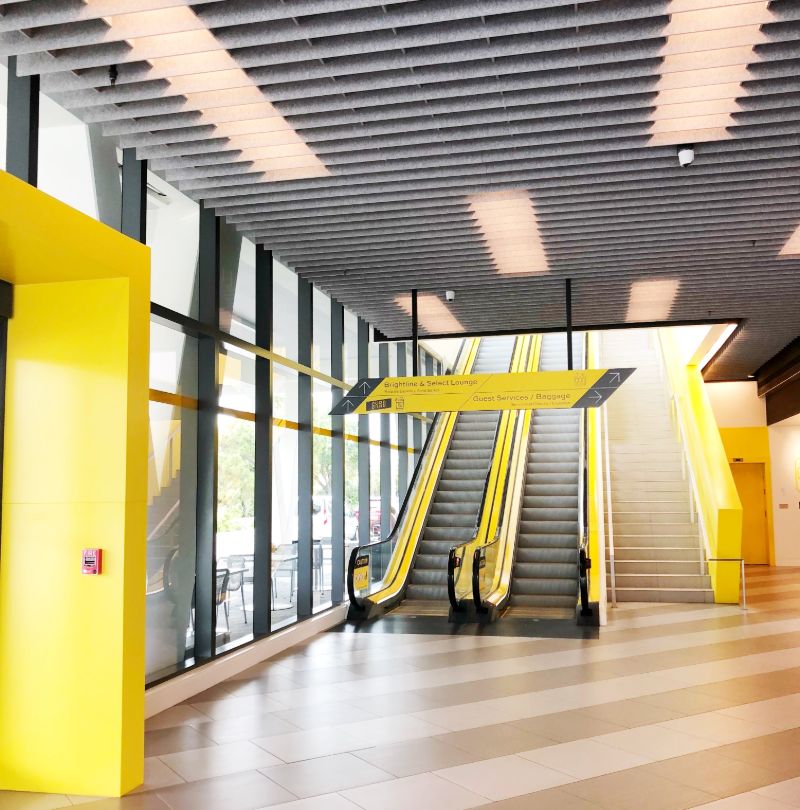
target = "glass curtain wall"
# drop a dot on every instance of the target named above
(222, 517)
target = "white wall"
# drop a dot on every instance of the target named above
(736, 404)
(784, 445)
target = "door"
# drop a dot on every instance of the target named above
(750, 482)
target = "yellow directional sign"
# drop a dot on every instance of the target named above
(483, 392)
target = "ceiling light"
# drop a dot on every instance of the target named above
(434, 316)
(685, 155)
(511, 230)
(241, 110)
(652, 300)
(725, 331)
(705, 61)
(791, 250)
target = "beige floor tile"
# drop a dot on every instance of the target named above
(138, 801)
(415, 756)
(787, 792)
(655, 742)
(566, 726)
(779, 753)
(170, 740)
(318, 742)
(631, 713)
(425, 791)
(719, 728)
(19, 800)
(325, 775)
(686, 701)
(638, 790)
(495, 741)
(330, 801)
(504, 777)
(385, 730)
(220, 760)
(326, 714)
(745, 801)
(238, 706)
(157, 775)
(585, 759)
(247, 727)
(553, 799)
(242, 791)
(713, 773)
(176, 716)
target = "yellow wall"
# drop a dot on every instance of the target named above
(75, 476)
(751, 445)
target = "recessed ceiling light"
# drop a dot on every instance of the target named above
(791, 250)
(652, 299)
(511, 230)
(434, 316)
(705, 61)
(241, 110)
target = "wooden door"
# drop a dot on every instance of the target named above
(750, 483)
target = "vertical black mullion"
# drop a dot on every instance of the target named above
(337, 457)
(416, 430)
(568, 314)
(305, 452)
(207, 395)
(133, 221)
(363, 441)
(386, 452)
(262, 520)
(22, 130)
(402, 432)
(414, 335)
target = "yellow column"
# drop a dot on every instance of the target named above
(74, 477)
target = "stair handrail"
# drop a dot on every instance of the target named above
(584, 561)
(457, 554)
(688, 467)
(609, 509)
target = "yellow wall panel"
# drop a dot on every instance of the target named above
(75, 476)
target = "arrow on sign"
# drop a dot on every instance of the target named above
(614, 378)
(594, 396)
(364, 388)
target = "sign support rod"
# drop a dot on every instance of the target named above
(568, 304)
(414, 336)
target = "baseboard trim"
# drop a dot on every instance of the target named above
(170, 693)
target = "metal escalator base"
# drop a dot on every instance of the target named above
(539, 613)
(421, 607)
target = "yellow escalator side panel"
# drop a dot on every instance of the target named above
(596, 527)
(512, 503)
(718, 501)
(411, 531)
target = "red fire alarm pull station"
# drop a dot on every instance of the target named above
(92, 561)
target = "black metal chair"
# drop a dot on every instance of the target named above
(223, 576)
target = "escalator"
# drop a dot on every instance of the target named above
(442, 506)
(457, 501)
(545, 572)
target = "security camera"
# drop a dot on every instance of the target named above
(685, 155)
(450, 295)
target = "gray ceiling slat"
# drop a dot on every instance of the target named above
(415, 106)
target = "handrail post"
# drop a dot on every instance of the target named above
(744, 588)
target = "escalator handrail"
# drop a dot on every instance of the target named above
(454, 552)
(354, 600)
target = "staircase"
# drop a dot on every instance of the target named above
(545, 575)
(657, 546)
(457, 501)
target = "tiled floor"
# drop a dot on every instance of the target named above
(674, 706)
